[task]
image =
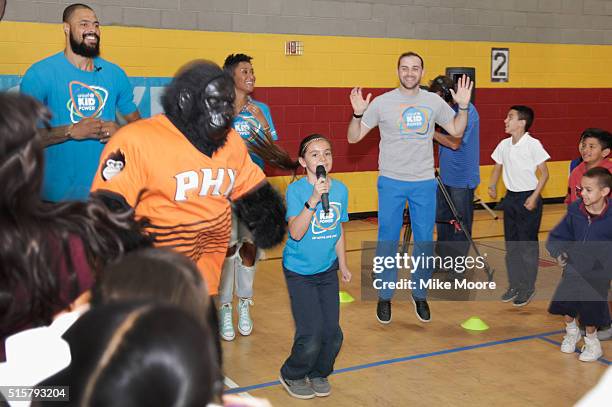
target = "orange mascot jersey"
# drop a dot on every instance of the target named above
(186, 194)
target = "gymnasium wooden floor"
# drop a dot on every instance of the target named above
(516, 362)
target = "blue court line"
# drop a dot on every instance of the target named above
(404, 359)
(601, 360)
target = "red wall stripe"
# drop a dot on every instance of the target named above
(561, 115)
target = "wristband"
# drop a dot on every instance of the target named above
(464, 108)
(357, 116)
(307, 206)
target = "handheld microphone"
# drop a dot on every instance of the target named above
(321, 173)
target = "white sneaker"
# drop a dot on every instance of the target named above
(226, 328)
(591, 351)
(245, 323)
(571, 338)
(604, 334)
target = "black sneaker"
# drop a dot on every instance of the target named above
(421, 309)
(455, 275)
(509, 295)
(383, 311)
(523, 298)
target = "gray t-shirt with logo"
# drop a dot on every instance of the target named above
(407, 125)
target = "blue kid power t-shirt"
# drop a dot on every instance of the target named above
(71, 95)
(316, 251)
(245, 123)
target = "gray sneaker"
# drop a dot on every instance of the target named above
(299, 389)
(604, 334)
(320, 386)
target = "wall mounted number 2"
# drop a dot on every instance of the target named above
(500, 58)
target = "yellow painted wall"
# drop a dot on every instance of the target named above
(328, 61)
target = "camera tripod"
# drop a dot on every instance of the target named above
(457, 222)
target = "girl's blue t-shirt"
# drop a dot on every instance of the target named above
(316, 251)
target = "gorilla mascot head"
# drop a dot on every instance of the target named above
(200, 103)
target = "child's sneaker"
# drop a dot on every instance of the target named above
(320, 386)
(299, 389)
(523, 298)
(509, 295)
(571, 338)
(591, 351)
(226, 324)
(245, 323)
(604, 334)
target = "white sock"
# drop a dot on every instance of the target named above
(571, 326)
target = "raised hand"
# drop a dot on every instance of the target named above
(358, 102)
(464, 91)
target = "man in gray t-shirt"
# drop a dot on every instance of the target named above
(406, 124)
(406, 118)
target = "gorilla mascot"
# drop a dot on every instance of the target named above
(183, 171)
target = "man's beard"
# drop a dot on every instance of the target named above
(80, 48)
(410, 88)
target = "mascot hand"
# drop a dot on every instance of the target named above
(263, 211)
(120, 216)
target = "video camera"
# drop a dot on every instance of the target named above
(443, 85)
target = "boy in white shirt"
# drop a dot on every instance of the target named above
(519, 156)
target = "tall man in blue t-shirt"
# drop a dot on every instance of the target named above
(83, 92)
(460, 174)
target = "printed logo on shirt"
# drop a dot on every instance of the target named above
(324, 222)
(248, 127)
(206, 181)
(85, 101)
(113, 165)
(415, 121)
